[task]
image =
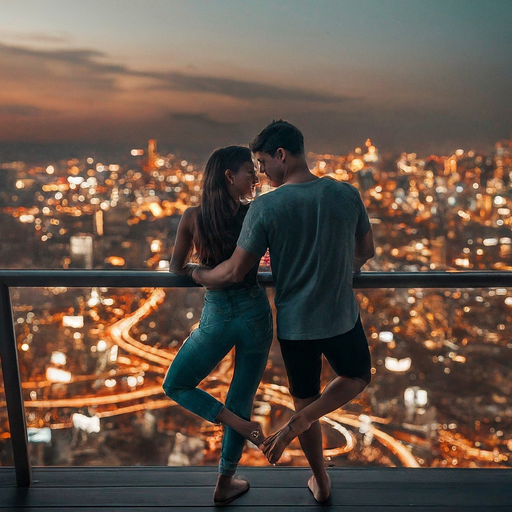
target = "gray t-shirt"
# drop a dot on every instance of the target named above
(310, 230)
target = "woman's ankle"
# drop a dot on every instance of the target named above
(223, 480)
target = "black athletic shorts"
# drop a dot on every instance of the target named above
(347, 353)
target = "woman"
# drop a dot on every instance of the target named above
(238, 316)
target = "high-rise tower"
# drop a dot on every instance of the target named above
(150, 163)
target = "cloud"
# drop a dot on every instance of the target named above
(85, 59)
(243, 89)
(42, 72)
(91, 65)
(202, 119)
(20, 110)
(81, 57)
(98, 99)
(37, 37)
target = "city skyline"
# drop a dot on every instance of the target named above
(92, 359)
(414, 76)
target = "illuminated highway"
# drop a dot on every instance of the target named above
(279, 395)
(119, 334)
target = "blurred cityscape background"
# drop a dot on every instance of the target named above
(93, 360)
(109, 110)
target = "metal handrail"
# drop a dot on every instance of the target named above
(151, 279)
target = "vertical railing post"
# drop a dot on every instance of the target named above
(13, 393)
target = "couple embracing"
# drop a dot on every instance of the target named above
(318, 234)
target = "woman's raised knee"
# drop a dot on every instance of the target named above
(172, 388)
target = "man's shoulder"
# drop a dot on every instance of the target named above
(265, 198)
(345, 188)
(341, 185)
(284, 192)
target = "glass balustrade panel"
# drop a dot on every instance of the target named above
(93, 360)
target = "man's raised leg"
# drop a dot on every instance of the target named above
(336, 394)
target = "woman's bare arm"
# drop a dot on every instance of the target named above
(184, 244)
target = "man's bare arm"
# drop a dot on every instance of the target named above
(364, 250)
(228, 272)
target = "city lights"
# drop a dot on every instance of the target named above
(398, 365)
(386, 336)
(114, 352)
(91, 425)
(163, 265)
(58, 358)
(110, 383)
(156, 246)
(57, 375)
(101, 346)
(415, 397)
(115, 261)
(39, 435)
(75, 180)
(76, 322)
(89, 354)
(132, 381)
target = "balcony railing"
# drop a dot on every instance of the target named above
(147, 279)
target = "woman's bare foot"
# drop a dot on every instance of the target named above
(228, 489)
(275, 444)
(322, 492)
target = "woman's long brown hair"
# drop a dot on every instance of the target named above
(215, 241)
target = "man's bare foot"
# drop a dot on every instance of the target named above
(229, 489)
(322, 492)
(275, 444)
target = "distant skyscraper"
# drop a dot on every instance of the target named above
(438, 248)
(372, 154)
(152, 148)
(150, 163)
(81, 250)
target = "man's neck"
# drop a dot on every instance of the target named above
(299, 173)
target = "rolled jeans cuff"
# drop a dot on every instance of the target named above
(214, 412)
(227, 468)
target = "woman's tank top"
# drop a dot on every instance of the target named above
(232, 234)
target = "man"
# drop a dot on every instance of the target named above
(318, 234)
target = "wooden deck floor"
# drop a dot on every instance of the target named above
(137, 489)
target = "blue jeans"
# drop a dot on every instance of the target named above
(230, 318)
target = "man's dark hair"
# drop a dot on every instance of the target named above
(279, 134)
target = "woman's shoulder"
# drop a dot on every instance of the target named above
(191, 212)
(190, 215)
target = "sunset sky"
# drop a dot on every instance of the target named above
(415, 75)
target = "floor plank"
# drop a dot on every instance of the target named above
(134, 489)
(266, 477)
(398, 495)
(278, 508)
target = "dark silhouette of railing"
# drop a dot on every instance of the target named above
(149, 279)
